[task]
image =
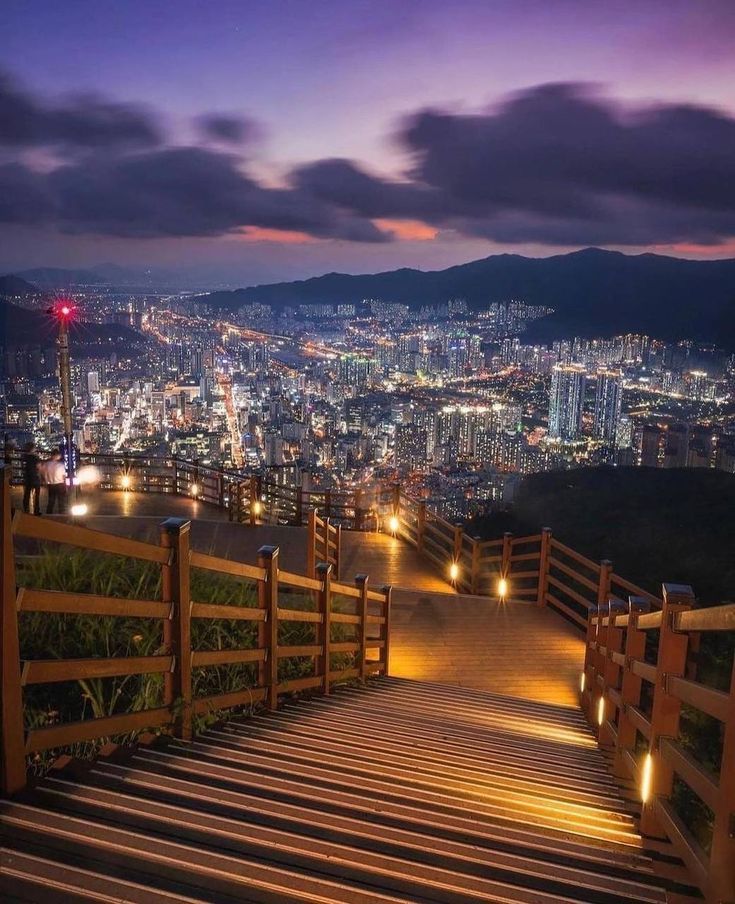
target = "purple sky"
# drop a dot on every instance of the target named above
(321, 79)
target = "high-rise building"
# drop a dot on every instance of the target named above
(410, 446)
(608, 404)
(566, 402)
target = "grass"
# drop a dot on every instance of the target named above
(52, 636)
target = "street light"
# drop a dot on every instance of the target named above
(503, 588)
(393, 524)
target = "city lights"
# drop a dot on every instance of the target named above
(78, 510)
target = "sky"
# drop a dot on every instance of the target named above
(260, 140)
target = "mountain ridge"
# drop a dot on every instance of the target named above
(594, 292)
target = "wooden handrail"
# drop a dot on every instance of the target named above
(176, 610)
(612, 681)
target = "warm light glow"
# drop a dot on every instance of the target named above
(393, 524)
(257, 507)
(79, 509)
(65, 310)
(600, 710)
(125, 481)
(502, 588)
(646, 777)
(582, 682)
(194, 489)
(454, 571)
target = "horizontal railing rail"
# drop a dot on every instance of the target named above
(636, 703)
(176, 611)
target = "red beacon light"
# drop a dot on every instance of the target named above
(64, 310)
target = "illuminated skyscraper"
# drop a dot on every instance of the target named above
(566, 402)
(608, 403)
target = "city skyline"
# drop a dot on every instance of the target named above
(202, 149)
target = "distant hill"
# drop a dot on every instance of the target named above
(57, 278)
(594, 292)
(13, 286)
(21, 326)
(655, 525)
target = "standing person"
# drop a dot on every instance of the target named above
(54, 476)
(31, 480)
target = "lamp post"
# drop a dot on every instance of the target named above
(64, 313)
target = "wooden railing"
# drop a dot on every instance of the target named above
(324, 544)
(176, 610)
(536, 567)
(645, 738)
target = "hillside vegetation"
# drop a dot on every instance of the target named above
(655, 525)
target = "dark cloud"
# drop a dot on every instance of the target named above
(557, 164)
(227, 129)
(83, 122)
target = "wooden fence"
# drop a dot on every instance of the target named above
(643, 730)
(324, 544)
(176, 610)
(536, 567)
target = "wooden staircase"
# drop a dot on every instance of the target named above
(399, 792)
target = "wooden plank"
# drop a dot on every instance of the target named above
(300, 684)
(226, 566)
(683, 842)
(556, 563)
(713, 618)
(649, 620)
(345, 590)
(225, 701)
(300, 650)
(343, 675)
(524, 557)
(634, 589)
(346, 646)
(639, 721)
(40, 739)
(644, 670)
(31, 600)
(376, 596)
(300, 615)
(223, 610)
(573, 554)
(530, 538)
(51, 671)
(343, 618)
(706, 699)
(200, 658)
(519, 575)
(685, 765)
(93, 540)
(567, 610)
(577, 597)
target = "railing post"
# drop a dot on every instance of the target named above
(671, 662)
(603, 587)
(598, 702)
(13, 765)
(507, 551)
(610, 672)
(337, 551)
(721, 878)
(630, 688)
(178, 534)
(327, 504)
(543, 566)
(588, 682)
(420, 525)
(324, 574)
(388, 592)
(268, 640)
(165, 540)
(311, 544)
(361, 582)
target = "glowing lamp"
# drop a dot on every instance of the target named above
(502, 588)
(600, 710)
(454, 571)
(393, 524)
(647, 778)
(79, 509)
(257, 507)
(582, 682)
(125, 481)
(194, 489)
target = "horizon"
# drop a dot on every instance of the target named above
(281, 141)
